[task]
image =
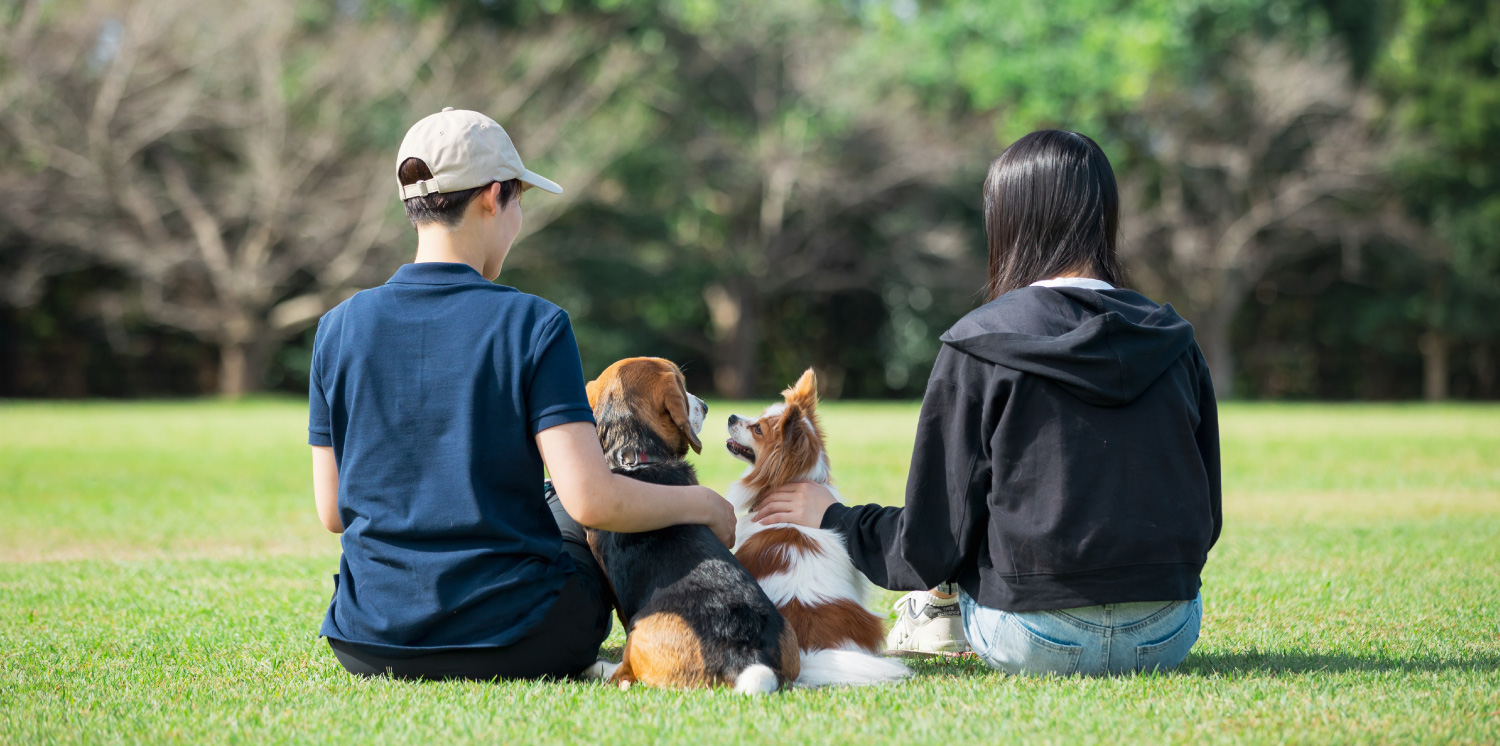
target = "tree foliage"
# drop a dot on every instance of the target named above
(752, 187)
(1442, 74)
(234, 161)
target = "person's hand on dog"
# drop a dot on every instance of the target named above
(721, 518)
(802, 503)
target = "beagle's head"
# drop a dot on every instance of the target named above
(643, 399)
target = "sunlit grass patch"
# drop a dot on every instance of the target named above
(162, 578)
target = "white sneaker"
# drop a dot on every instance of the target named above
(927, 624)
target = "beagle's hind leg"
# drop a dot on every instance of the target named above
(663, 650)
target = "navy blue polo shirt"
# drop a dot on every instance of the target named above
(431, 388)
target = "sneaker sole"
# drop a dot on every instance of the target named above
(964, 652)
(948, 648)
(948, 645)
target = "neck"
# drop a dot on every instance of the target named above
(436, 243)
(819, 474)
(633, 445)
(1087, 274)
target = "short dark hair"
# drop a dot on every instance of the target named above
(1051, 207)
(444, 208)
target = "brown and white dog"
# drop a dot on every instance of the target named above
(693, 616)
(805, 571)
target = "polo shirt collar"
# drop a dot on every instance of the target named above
(437, 273)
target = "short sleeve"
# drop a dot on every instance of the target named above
(556, 395)
(319, 423)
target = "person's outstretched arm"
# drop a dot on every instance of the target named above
(925, 543)
(599, 498)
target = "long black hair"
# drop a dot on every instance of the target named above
(1051, 207)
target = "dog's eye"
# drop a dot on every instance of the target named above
(756, 428)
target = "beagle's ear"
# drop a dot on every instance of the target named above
(591, 390)
(677, 409)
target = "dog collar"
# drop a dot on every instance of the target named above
(626, 462)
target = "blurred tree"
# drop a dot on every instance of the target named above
(1442, 73)
(1339, 325)
(1241, 139)
(1274, 156)
(758, 185)
(770, 192)
(234, 160)
(1075, 64)
(198, 148)
(787, 163)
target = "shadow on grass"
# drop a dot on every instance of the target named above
(1253, 663)
(965, 665)
(1299, 663)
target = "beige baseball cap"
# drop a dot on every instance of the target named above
(464, 150)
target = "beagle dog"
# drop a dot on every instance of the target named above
(693, 616)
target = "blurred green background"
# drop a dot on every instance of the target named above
(752, 187)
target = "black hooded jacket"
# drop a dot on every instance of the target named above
(1067, 454)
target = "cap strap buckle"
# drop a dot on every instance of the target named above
(420, 189)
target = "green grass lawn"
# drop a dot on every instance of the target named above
(163, 576)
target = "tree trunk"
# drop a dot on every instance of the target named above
(735, 310)
(240, 368)
(1213, 337)
(1434, 347)
(1483, 362)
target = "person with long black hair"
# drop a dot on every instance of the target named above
(1064, 489)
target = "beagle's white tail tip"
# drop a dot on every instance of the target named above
(756, 679)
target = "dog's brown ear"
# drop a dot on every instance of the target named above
(794, 429)
(803, 393)
(591, 390)
(677, 409)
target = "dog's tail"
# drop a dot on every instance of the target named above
(757, 678)
(848, 668)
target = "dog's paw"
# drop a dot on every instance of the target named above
(602, 669)
(625, 684)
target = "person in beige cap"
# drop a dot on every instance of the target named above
(435, 401)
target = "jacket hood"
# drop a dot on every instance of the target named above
(1103, 346)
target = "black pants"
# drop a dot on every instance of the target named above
(564, 643)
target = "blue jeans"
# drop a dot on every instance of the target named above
(1113, 638)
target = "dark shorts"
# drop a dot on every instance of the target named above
(564, 643)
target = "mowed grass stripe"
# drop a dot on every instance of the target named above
(162, 577)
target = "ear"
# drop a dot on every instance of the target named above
(803, 393)
(794, 429)
(592, 391)
(677, 409)
(491, 198)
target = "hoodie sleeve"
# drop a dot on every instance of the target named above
(925, 543)
(1207, 436)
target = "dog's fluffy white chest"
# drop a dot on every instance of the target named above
(815, 576)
